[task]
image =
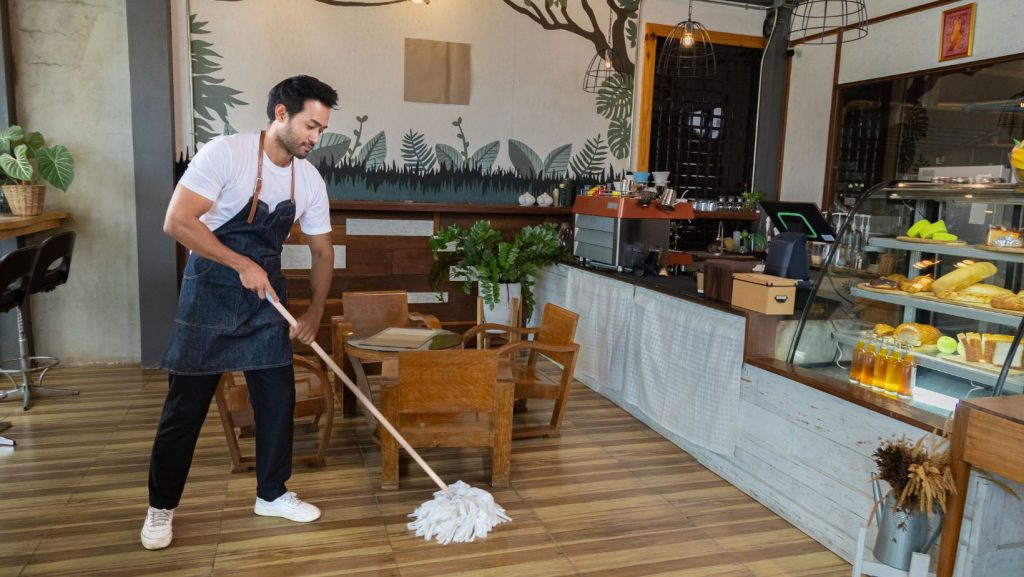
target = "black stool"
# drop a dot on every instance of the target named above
(49, 269)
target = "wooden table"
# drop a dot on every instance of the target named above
(19, 226)
(988, 433)
(388, 360)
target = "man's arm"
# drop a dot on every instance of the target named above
(182, 223)
(320, 274)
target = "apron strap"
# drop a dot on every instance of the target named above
(259, 180)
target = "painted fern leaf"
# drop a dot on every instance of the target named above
(618, 137)
(590, 160)
(331, 146)
(416, 154)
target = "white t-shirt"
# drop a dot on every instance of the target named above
(224, 171)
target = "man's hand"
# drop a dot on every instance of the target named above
(307, 326)
(254, 278)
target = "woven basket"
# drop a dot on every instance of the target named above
(25, 199)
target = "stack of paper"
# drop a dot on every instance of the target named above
(400, 338)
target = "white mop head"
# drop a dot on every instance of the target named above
(467, 515)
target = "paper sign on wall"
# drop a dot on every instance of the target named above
(436, 71)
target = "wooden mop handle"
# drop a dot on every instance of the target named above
(365, 401)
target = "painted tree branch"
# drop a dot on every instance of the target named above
(549, 20)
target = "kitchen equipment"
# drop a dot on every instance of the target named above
(618, 233)
(660, 178)
(667, 200)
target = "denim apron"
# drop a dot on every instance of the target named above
(221, 326)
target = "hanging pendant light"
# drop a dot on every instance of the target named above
(688, 51)
(602, 65)
(812, 18)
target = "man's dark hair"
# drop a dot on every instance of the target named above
(295, 91)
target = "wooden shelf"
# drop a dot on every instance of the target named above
(480, 208)
(727, 215)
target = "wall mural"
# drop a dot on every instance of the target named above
(450, 167)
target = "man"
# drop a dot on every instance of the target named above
(233, 209)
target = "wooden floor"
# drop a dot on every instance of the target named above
(609, 498)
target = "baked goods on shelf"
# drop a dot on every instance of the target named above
(883, 283)
(991, 349)
(979, 293)
(963, 277)
(883, 330)
(919, 284)
(972, 346)
(1004, 237)
(1009, 302)
(916, 334)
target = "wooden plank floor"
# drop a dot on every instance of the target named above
(610, 498)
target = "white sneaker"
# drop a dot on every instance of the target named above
(157, 532)
(288, 506)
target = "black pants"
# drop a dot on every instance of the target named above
(272, 394)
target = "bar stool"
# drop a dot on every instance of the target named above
(49, 270)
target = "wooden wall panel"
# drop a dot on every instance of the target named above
(404, 262)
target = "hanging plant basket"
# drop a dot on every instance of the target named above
(25, 199)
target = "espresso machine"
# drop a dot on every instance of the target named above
(624, 233)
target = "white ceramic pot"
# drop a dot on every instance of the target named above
(502, 313)
(526, 199)
(545, 199)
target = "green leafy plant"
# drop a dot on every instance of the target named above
(751, 198)
(210, 96)
(481, 254)
(26, 159)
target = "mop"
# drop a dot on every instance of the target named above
(458, 513)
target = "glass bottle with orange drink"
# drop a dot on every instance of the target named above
(856, 359)
(893, 372)
(867, 365)
(908, 377)
(881, 367)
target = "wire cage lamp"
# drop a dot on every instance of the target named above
(602, 65)
(813, 18)
(687, 51)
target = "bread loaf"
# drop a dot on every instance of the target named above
(915, 334)
(1010, 302)
(986, 290)
(962, 277)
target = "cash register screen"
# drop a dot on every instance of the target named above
(801, 217)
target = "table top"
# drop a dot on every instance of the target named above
(1010, 408)
(445, 339)
(14, 226)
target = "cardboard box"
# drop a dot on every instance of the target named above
(700, 282)
(771, 295)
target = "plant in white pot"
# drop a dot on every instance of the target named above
(24, 161)
(504, 269)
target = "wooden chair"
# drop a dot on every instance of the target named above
(366, 311)
(314, 404)
(448, 399)
(552, 339)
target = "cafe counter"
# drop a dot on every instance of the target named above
(699, 373)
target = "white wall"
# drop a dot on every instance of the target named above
(71, 84)
(896, 46)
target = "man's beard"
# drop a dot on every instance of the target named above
(287, 140)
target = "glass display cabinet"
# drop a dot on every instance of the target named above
(922, 284)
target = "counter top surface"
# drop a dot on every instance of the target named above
(685, 288)
(480, 208)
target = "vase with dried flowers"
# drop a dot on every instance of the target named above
(920, 478)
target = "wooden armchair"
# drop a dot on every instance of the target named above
(368, 311)
(314, 404)
(448, 399)
(552, 339)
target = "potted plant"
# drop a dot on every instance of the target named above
(751, 198)
(919, 477)
(24, 160)
(503, 268)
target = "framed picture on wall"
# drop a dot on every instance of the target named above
(957, 36)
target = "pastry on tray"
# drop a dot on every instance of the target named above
(883, 283)
(963, 277)
(1010, 302)
(883, 330)
(972, 346)
(979, 293)
(1000, 347)
(922, 283)
(916, 334)
(1003, 237)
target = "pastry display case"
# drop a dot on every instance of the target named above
(920, 296)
